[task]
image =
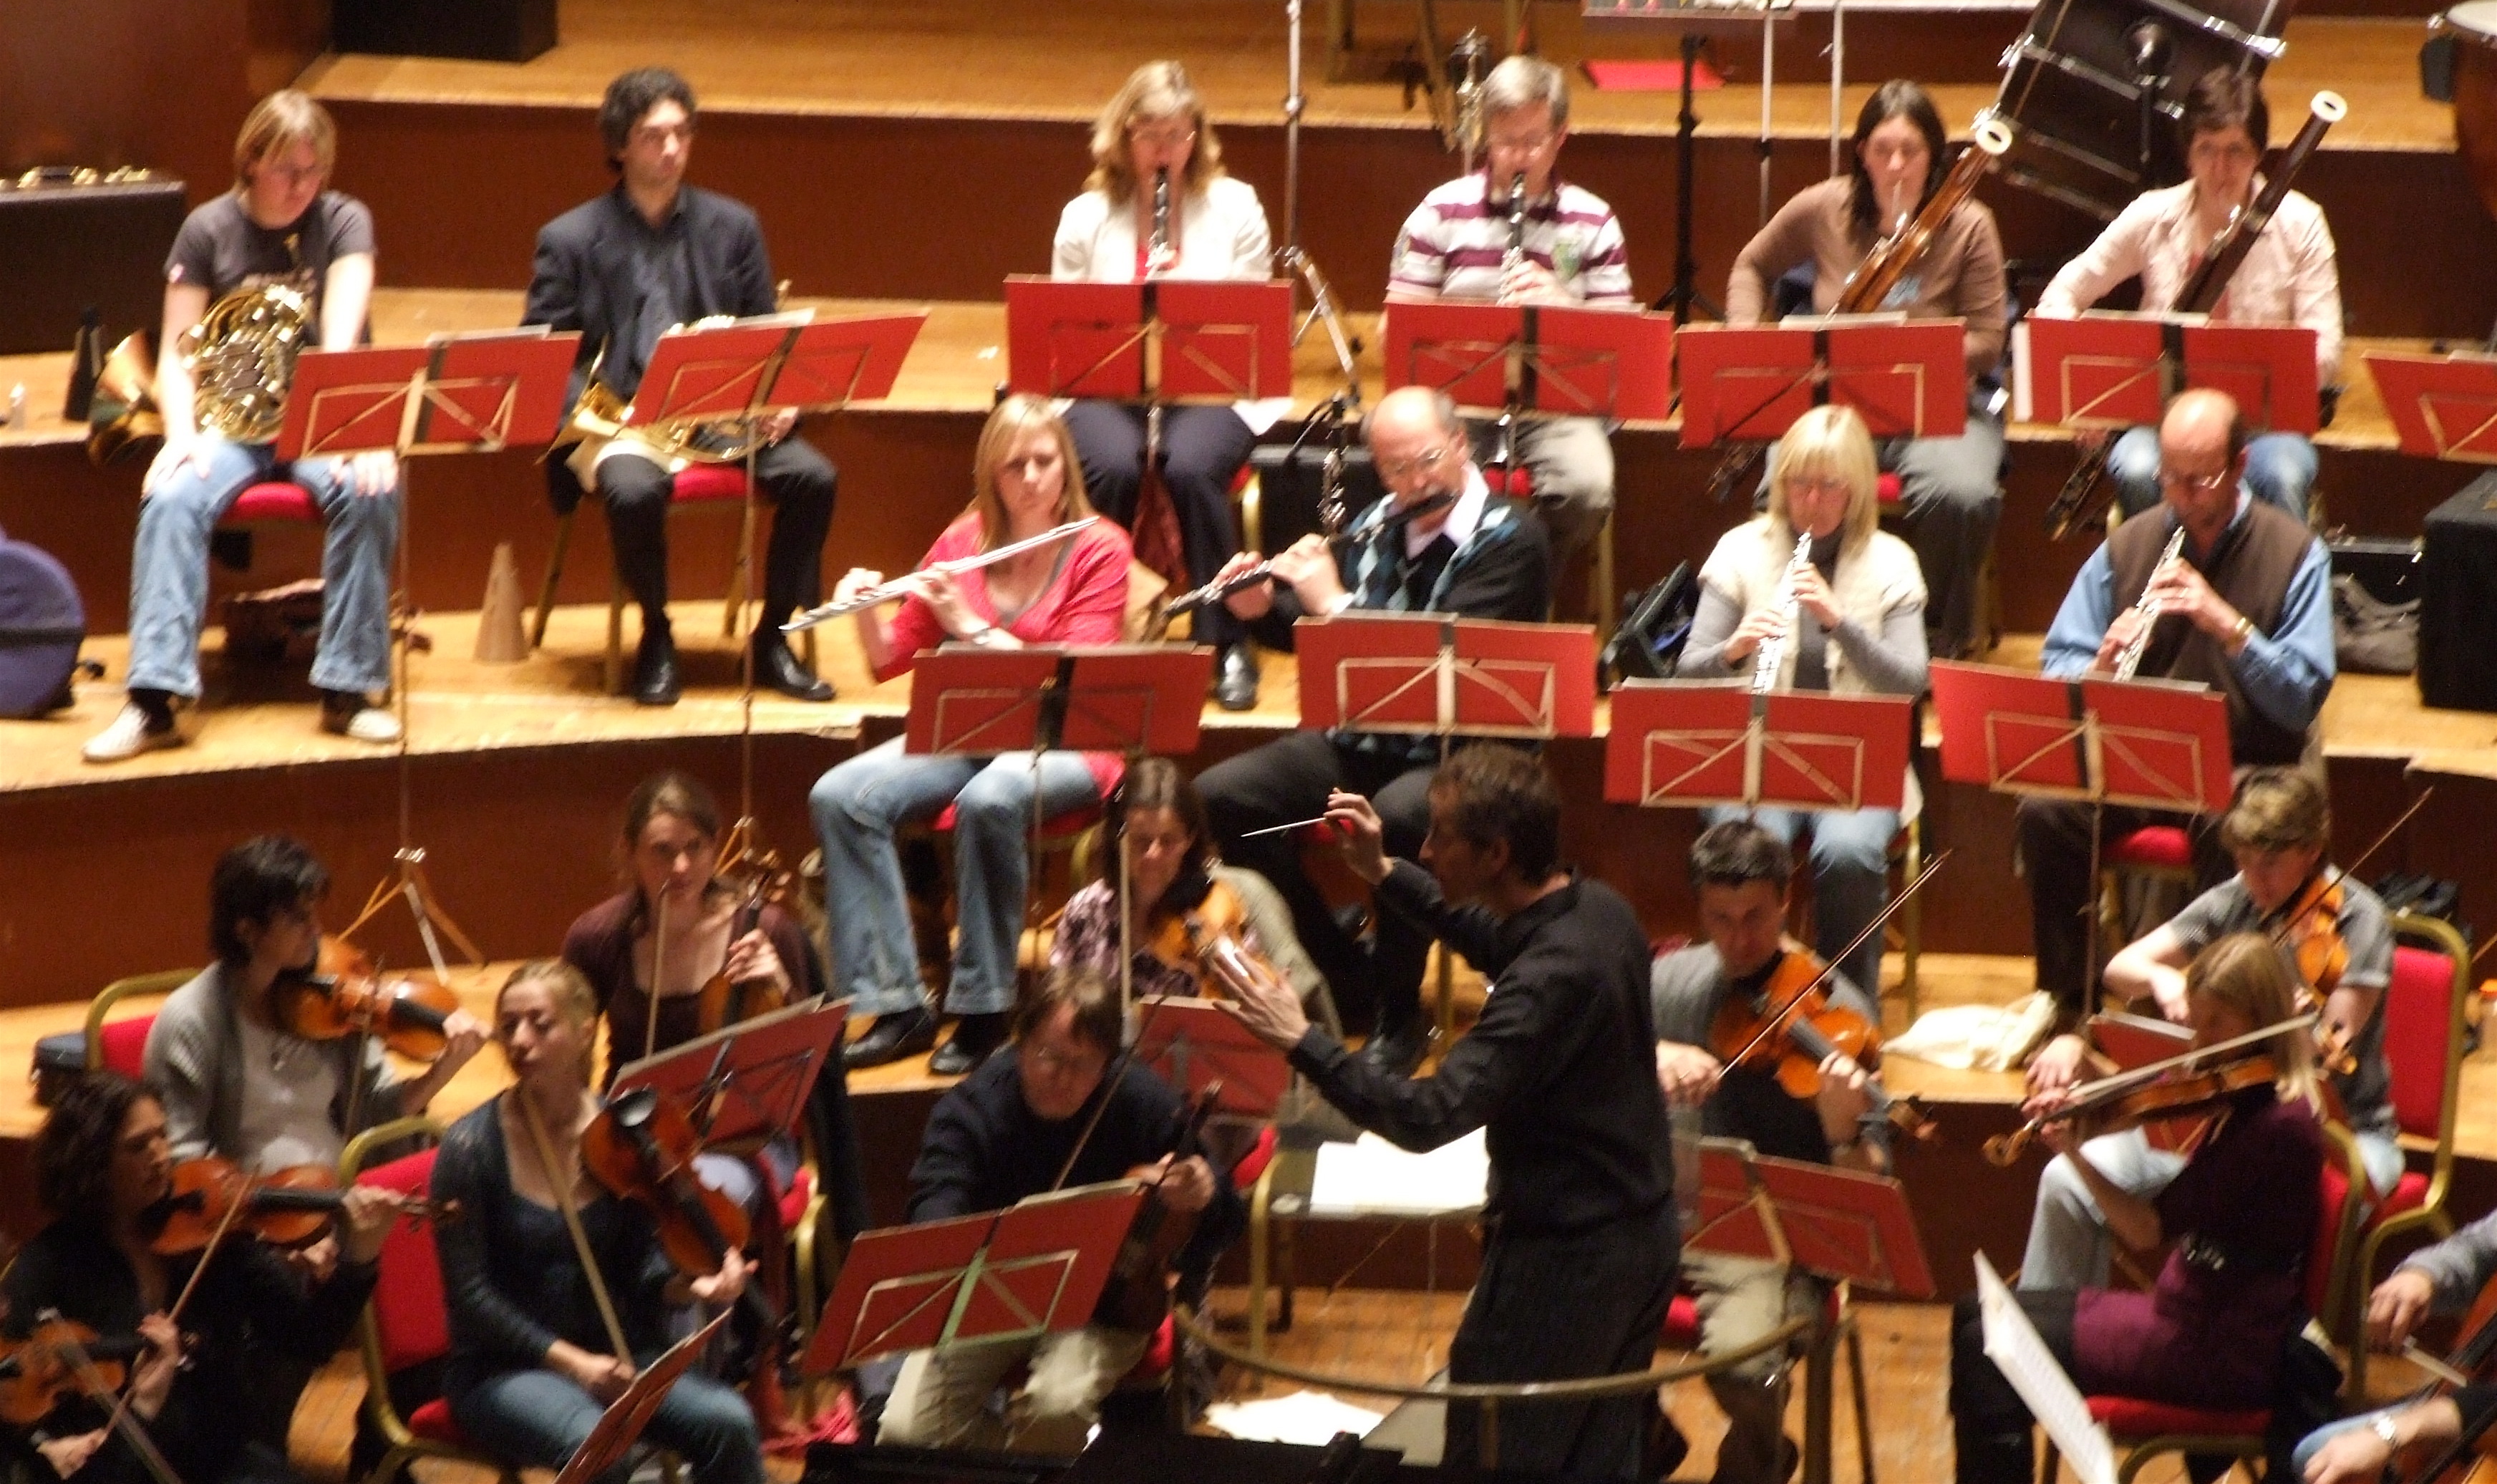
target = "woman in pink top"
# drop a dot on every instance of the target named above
(1027, 479)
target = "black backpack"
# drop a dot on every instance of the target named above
(41, 624)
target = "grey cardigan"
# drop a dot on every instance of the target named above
(194, 1063)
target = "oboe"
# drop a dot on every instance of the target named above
(1516, 253)
(1770, 654)
(2147, 607)
(1157, 249)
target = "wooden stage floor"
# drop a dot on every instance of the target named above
(891, 60)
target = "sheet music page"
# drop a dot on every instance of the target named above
(1375, 1178)
(2011, 1343)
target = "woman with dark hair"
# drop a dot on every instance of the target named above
(1949, 499)
(1180, 898)
(101, 1160)
(1026, 480)
(2241, 1216)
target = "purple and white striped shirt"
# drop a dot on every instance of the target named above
(1453, 244)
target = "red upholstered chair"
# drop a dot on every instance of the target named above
(274, 501)
(1517, 482)
(2424, 1011)
(1681, 1332)
(122, 1045)
(2160, 853)
(710, 486)
(406, 1323)
(2144, 1429)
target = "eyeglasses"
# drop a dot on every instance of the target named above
(1522, 144)
(2198, 484)
(1421, 463)
(1080, 1063)
(1162, 135)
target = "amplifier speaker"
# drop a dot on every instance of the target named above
(2458, 600)
(65, 248)
(472, 30)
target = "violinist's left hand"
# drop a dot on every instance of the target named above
(723, 1287)
(752, 959)
(463, 1036)
(317, 1261)
(1845, 1097)
(366, 1214)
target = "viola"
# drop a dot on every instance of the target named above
(641, 1148)
(1137, 1296)
(2182, 1087)
(725, 1004)
(1791, 1026)
(343, 995)
(283, 1208)
(58, 1360)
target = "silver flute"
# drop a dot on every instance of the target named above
(904, 586)
(1770, 653)
(2147, 606)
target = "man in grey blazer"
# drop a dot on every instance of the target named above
(622, 268)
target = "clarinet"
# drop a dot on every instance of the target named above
(2131, 659)
(1770, 654)
(1516, 253)
(1157, 249)
(1504, 431)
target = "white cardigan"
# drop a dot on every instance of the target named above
(1221, 232)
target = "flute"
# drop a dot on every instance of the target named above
(904, 587)
(1222, 588)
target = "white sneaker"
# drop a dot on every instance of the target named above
(133, 732)
(360, 723)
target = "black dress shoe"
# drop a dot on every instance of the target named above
(775, 667)
(1398, 1045)
(974, 1037)
(896, 1034)
(654, 669)
(1235, 678)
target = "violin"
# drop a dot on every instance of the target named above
(2309, 930)
(58, 1360)
(2182, 1087)
(1792, 1026)
(641, 1148)
(343, 995)
(725, 1004)
(1137, 1296)
(1185, 939)
(283, 1208)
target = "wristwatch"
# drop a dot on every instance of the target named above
(2242, 630)
(2381, 1425)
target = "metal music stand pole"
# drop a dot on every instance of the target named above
(1685, 265)
(1837, 78)
(1294, 102)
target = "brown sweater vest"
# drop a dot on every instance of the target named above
(2251, 568)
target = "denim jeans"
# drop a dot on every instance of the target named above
(168, 568)
(537, 1418)
(2280, 467)
(2068, 1234)
(1851, 877)
(858, 806)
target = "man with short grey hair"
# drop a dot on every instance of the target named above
(1455, 247)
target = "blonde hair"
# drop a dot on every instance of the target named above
(2277, 808)
(1827, 442)
(279, 121)
(572, 997)
(1018, 415)
(2247, 973)
(1155, 91)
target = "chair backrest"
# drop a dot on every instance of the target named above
(2343, 1202)
(121, 1046)
(407, 1322)
(2424, 1009)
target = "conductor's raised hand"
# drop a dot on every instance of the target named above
(1263, 1001)
(1359, 834)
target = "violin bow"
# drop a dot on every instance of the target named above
(1109, 1089)
(118, 1418)
(1770, 1024)
(571, 1212)
(658, 966)
(2350, 872)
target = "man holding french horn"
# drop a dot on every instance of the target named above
(279, 262)
(623, 269)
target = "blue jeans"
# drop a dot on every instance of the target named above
(2280, 467)
(168, 568)
(858, 806)
(1851, 877)
(537, 1418)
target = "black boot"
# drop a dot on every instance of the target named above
(1235, 677)
(776, 668)
(896, 1034)
(655, 669)
(974, 1037)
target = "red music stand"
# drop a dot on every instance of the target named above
(1431, 675)
(748, 1081)
(1543, 359)
(1751, 382)
(1035, 1268)
(2152, 744)
(1164, 340)
(620, 1426)
(1691, 742)
(1845, 1226)
(2442, 406)
(2119, 370)
(1121, 698)
(1195, 1044)
(478, 393)
(768, 363)
(2136, 1040)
